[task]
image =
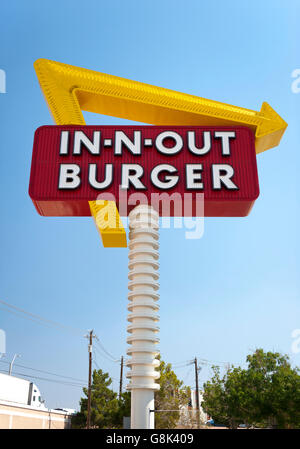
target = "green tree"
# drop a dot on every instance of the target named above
(216, 401)
(106, 410)
(124, 406)
(265, 394)
(171, 396)
(275, 387)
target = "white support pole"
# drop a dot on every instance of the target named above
(143, 318)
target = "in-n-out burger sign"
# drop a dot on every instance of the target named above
(162, 176)
(71, 165)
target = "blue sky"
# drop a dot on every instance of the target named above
(222, 296)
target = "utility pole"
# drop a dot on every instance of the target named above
(12, 362)
(90, 336)
(197, 393)
(121, 377)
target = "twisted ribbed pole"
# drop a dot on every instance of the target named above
(143, 318)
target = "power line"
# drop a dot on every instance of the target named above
(42, 371)
(114, 359)
(212, 362)
(200, 360)
(103, 355)
(73, 384)
(49, 323)
(182, 366)
(21, 316)
(183, 363)
(188, 374)
(95, 360)
(39, 319)
(98, 367)
(58, 326)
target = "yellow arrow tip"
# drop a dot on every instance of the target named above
(269, 133)
(41, 63)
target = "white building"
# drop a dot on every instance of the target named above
(188, 414)
(20, 391)
(21, 407)
(203, 415)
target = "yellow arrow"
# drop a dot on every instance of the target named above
(58, 88)
(69, 89)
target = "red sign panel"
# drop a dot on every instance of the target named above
(72, 165)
